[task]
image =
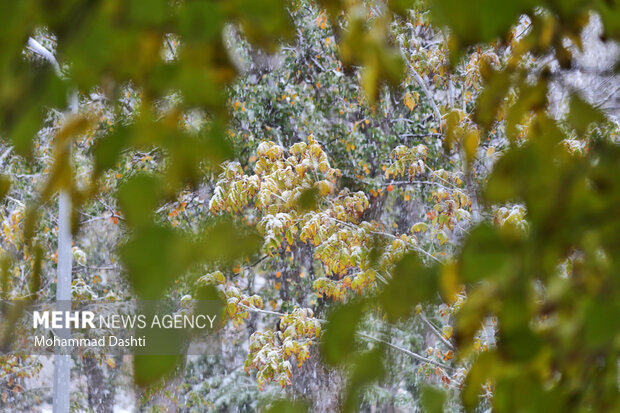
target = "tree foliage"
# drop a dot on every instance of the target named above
(384, 178)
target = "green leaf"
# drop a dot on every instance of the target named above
(529, 98)
(200, 21)
(610, 15)
(481, 371)
(478, 21)
(339, 336)
(138, 198)
(308, 199)
(226, 242)
(491, 98)
(154, 257)
(286, 406)
(108, 149)
(486, 255)
(5, 185)
(187, 153)
(149, 12)
(210, 301)
(265, 23)
(366, 368)
(333, 7)
(26, 94)
(601, 322)
(472, 313)
(433, 399)
(148, 370)
(518, 341)
(582, 114)
(411, 283)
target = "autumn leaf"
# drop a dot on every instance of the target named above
(409, 101)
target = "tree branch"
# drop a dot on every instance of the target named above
(5, 154)
(422, 84)
(436, 332)
(387, 234)
(408, 352)
(38, 49)
(366, 336)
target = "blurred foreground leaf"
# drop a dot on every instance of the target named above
(433, 399)
(364, 369)
(286, 406)
(149, 370)
(340, 331)
(412, 283)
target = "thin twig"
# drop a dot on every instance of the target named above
(436, 331)
(366, 336)
(422, 84)
(17, 201)
(5, 154)
(388, 235)
(258, 261)
(37, 48)
(408, 352)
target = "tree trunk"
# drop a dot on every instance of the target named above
(100, 392)
(321, 387)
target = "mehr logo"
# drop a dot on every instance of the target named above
(63, 319)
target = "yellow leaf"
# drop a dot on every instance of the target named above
(449, 282)
(470, 143)
(409, 102)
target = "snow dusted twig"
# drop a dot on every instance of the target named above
(436, 332)
(408, 352)
(392, 236)
(422, 84)
(366, 336)
(4, 155)
(17, 201)
(37, 48)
